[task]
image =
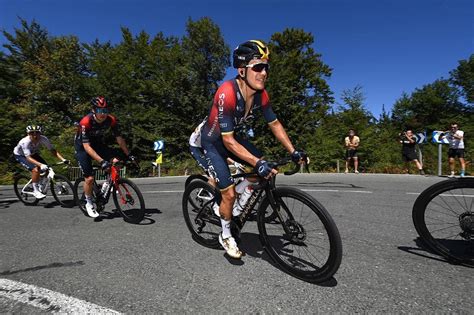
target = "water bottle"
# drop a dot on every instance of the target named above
(105, 187)
(245, 191)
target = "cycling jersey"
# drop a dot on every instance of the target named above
(228, 110)
(93, 132)
(227, 116)
(26, 147)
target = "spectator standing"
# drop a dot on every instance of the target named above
(351, 143)
(408, 141)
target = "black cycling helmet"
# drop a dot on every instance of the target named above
(34, 128)
(99, 102)
(249, 50)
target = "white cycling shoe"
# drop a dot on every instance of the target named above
(92, 210)
(230, 247)
(38, 195)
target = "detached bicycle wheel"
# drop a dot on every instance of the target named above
(204, 225)
(24, 190)
(303, 239)
(129, 201)
(443, 216)
(63, 191)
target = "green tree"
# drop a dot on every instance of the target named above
(463, 77)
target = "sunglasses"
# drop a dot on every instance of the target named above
(34, 133)
(101, 110)
(258, 67)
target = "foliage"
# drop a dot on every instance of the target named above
(161, 86)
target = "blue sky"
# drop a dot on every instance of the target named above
(387, 47)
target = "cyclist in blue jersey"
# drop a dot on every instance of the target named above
(89, 144)
(236, 104)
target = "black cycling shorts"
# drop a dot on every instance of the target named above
(85, 161)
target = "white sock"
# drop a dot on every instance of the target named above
(89, 200)
(225, 228)
(36, 187)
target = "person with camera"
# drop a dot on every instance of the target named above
(456, 148)
(408, 141)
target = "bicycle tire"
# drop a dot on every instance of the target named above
(195, 177)
(281, 246)
(63, 191)
(19, 184)
(136, 214)
(433, 215)
(198, 213)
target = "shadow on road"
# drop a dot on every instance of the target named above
(250, 244)
(6, 203)
(52, 265)
(324, 185)
(423, 251)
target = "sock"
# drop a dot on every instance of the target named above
(36, 187)
(89, 199)
(225, 228)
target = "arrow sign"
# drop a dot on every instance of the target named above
(436, 137)
(158, 145)
(421, 137)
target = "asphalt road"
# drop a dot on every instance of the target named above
(157, 267)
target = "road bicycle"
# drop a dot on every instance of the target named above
(61, 187)
(443, 216)
(127, 197)
(301, 237)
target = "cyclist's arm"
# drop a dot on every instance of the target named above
(57, 154)
(123, 145)
(236, 148)
(277, 129)
(91, 152)
(33, 161)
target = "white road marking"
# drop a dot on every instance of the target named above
(48, 300)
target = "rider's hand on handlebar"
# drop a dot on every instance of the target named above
(299, 156)
(132, 158)
(43, 167)
(105, 164)
(67, 162)
(263, 169)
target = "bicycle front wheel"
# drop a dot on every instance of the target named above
(129, 201)
(24, 190)
(63, 191)
(204, 225)
(443, 216)
(303, 238)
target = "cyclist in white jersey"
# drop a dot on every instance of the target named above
(27, 154)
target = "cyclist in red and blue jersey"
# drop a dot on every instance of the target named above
(236, 104)
(90, 144)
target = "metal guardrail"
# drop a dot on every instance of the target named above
(75, 173)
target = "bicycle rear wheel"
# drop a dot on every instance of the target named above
(24, 190)
(204, 225)
(443, 216)
(129, 201)
(303, 240)
(63, 191)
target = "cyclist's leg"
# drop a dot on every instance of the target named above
(85, 163)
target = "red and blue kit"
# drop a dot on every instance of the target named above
(227, 116)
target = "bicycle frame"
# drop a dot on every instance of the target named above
(44, 189)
